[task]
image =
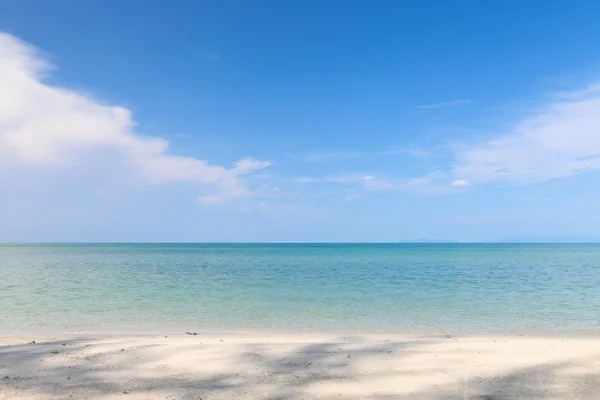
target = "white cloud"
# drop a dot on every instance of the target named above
(46, 125)
(460, 182)
(561, 139)
(452, 103)
(249, 164)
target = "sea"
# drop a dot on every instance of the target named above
(482, 288)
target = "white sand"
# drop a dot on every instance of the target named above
(301, 366)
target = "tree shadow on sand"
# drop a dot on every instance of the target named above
(88, 368)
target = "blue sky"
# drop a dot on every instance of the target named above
(299, 121)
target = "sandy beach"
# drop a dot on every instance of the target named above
(259, 365)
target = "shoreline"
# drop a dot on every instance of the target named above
(212, 331)
(259, 364)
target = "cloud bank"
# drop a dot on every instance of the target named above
(45, 125)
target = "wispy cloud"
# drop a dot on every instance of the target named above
(341, 155)
(319, 157)
(461, 182)
(47, 126)
(364, 183)
(339, 179)
(412, 151)
(452, 103)
(560, 139)
(351, 186)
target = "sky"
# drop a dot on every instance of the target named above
(299, 121)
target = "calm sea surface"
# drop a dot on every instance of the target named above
(447, 287)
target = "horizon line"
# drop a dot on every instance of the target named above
(320, 243)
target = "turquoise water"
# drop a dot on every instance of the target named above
(447, 287)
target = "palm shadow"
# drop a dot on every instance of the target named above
(86, 368)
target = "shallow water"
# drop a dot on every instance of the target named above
(447, 287)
